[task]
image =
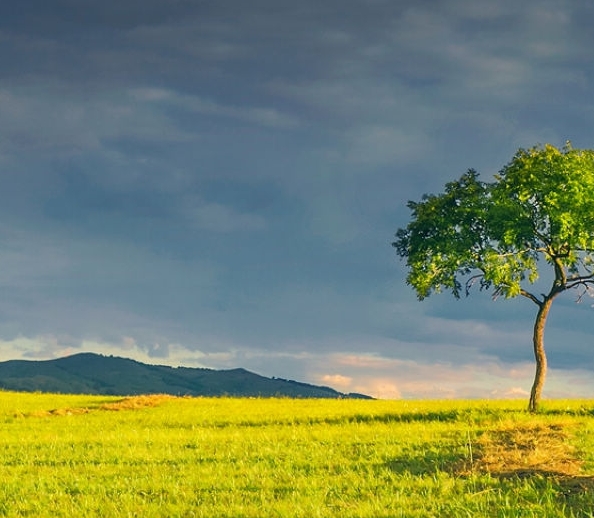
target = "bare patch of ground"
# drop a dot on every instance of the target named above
(529, 450)
(127, 403)
(136, 402)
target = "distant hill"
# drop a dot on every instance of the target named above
(89, 373)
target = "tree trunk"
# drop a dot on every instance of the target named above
(539, 353)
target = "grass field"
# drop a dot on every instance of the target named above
(76, 456)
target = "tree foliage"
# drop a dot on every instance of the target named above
(537, 214)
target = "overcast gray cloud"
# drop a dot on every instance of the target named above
(218, 183)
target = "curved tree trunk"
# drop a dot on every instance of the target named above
(539, 353)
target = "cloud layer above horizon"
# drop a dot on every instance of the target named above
(218, 183)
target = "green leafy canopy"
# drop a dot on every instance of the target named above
(539, 208)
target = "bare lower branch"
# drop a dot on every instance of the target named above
(532, 297)
(585, 281)
(471, 282)
(587, 290)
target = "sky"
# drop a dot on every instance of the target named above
(217, 183)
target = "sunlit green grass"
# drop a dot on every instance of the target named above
(79, 456)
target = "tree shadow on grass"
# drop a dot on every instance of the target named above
(416, 416)
(360, 418)
(537, 452)
(574, 491)
(426, 460)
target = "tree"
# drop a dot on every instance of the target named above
(537, 216)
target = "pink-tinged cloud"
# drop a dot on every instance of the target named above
(514, 392)
(392, 378)
(337, 380)
(382, 388)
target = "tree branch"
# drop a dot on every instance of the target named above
(574, 282)
(532, 297)
(471, 282)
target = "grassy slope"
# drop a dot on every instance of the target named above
(160, 456)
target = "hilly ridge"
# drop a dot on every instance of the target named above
(90, 373)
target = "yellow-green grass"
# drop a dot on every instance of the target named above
(162, 456)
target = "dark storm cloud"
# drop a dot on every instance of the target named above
(219, 182)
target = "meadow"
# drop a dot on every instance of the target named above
(153, 456)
